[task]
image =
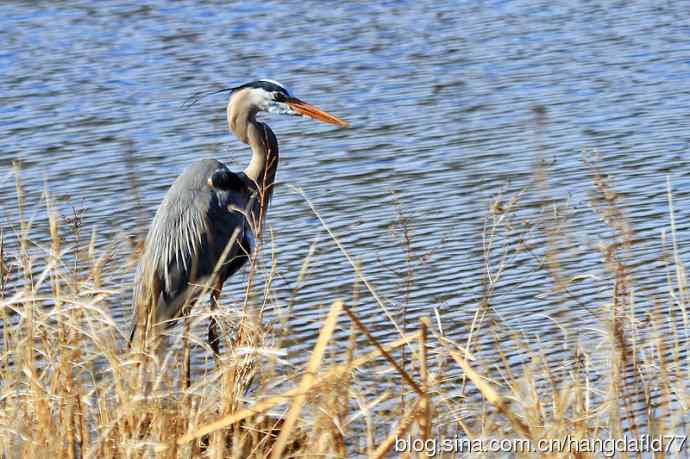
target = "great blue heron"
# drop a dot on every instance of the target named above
(209, 212)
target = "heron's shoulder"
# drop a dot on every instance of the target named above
(198, 173)
(223, 179)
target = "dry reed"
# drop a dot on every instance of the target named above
(71, 389)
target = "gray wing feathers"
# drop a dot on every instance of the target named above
(177, 231)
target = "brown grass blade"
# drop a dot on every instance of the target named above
(403, 426)
(490, 394)
(265, 405)
(405, 375)
(309, 375)
(425, 401)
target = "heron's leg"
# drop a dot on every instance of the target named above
(213, 339)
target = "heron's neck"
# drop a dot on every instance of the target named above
(264, 163)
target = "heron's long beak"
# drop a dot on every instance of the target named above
(313, 112)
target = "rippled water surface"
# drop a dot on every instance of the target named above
(451, 104)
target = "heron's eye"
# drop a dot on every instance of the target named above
(279, 97)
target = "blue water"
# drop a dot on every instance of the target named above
(451, 104)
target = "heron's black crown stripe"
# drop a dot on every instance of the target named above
(269, 86)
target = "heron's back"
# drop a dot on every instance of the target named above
(191, 229)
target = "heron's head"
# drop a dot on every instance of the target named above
(272, 97)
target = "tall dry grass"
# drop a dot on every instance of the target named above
(70, 388)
